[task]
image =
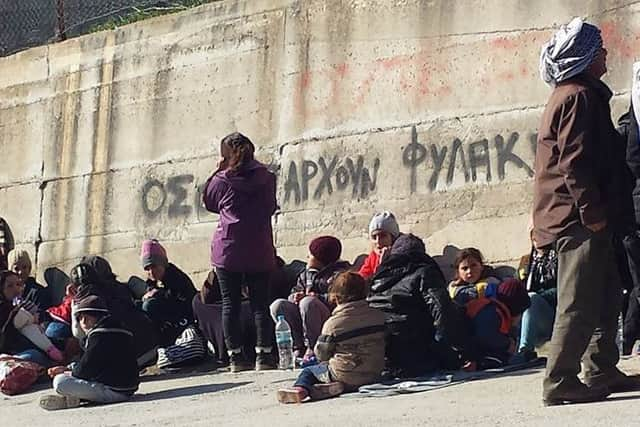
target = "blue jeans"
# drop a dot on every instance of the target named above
(537, 323)
(312, 375)
(58, 333)
(68, 385)
(35, 356)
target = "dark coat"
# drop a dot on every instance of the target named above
(177, 285)
(628, 126)
(318, 281)
(421, 319)
(109, 357)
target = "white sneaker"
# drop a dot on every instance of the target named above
(54, 402)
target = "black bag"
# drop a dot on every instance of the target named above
(543, 271)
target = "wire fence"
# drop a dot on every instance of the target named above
(28, 23)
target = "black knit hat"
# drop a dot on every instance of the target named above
(513, 294)
(408, 244)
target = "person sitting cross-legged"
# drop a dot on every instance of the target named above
(308, 306)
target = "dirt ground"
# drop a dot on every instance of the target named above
(218, 398)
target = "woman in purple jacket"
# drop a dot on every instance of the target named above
(243, 192)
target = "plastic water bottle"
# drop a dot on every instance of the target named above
(285, 343)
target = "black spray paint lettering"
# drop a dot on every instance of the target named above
(476, 157)
(324, 174)
(173, 194)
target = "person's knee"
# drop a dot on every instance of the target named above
(278, 307)
(309, 303)
(61, 383)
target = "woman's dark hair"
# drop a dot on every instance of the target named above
(239, 151)
(348, 287)
(4, 276)
(465, 254)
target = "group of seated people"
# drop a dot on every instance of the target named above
(391, 316)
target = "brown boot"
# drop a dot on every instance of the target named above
(578, 394)
(617, 382)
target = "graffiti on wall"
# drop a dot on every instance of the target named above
(318, 179)
(430, 167)
(445, 161)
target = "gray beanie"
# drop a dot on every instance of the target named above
(384, 221)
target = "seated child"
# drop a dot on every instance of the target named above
(351, 346)
(383, 231)
(472, 277)
(308, 306)
(20, 329)
(59, 329)
(491, 322)
(107, 371)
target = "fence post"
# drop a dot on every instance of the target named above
(62, 35)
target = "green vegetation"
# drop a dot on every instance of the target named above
(140, 13)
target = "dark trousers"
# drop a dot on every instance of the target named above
(589, 298)
(231, 289)
(209, 318)
(631, 244)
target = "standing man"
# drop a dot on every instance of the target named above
(578, 205)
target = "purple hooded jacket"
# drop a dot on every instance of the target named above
(245, 201)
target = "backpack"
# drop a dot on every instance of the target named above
(189, 348)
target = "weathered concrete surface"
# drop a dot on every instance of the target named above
(427, 108)
(249, 399)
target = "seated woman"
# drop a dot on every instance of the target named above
(473, 279)
(37, 298)
(425, 328)
(308, 306)
(169, 292)
(383, 231)
(20, 334)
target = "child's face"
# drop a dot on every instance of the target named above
(22, 269)
(470, 270)
(87, 321)
(156, 272)
(312, 262)
(12, 288)
(380, 240)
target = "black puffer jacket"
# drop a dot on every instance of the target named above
(411, 288)
(628, 127)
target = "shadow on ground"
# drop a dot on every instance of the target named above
(186, 391)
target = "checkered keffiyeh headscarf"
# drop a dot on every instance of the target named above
(570, 51)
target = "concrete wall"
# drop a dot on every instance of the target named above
(426, 108)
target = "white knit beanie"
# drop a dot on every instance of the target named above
(384, 221)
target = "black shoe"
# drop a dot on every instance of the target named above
(239, 363)
(265, 361)
(581, 394)
(618, 382)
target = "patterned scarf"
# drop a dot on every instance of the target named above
(570, 51)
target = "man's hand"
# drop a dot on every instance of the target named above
(56, 370)
(599, 226)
